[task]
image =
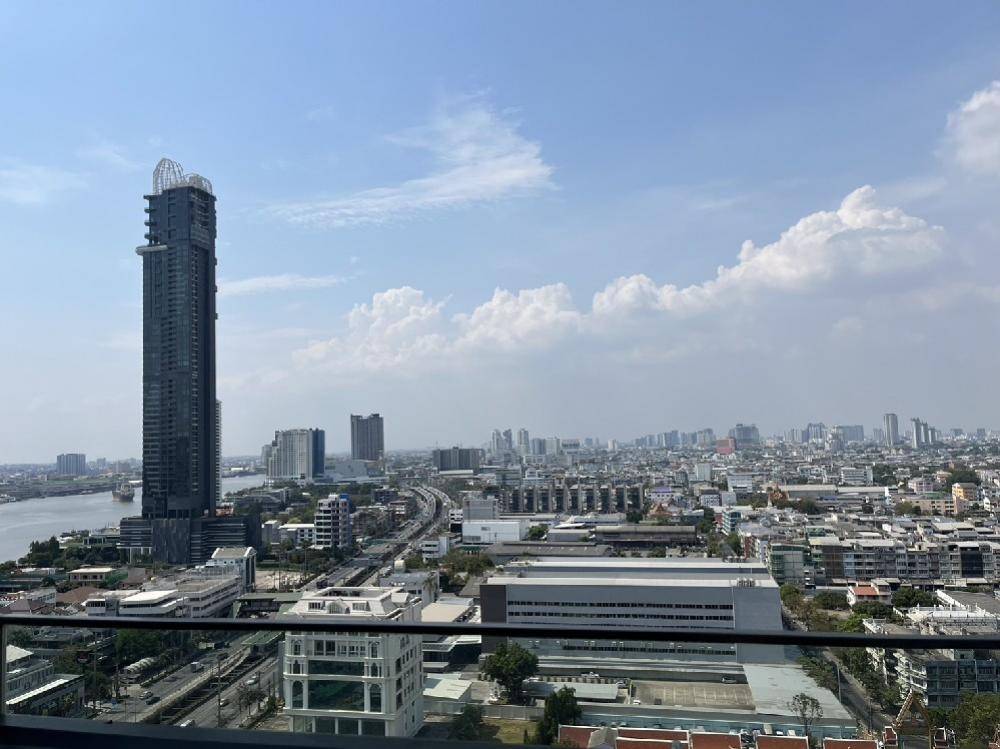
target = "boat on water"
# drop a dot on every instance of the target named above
(123, 492)
(5, 498)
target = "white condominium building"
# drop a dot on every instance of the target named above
(333, 522)
(353, 683)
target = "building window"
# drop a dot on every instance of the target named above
(372, 728)
(375, 698)
(347, 727)
(337, 668)
(297, 695)
(336, 695)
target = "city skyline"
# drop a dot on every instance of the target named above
(754, 242)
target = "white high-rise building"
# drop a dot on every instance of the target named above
(333, 522)
(353, 684)
(295, 453)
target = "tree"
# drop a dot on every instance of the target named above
(509, 665)
(248, 695)
(905, 598)
(561, 708)
(791, 595)
(829, 599)
(808, 710)
(975, 719)
(135, 644)
(906, 508)
(874, 610)
(659, 551)
(633, 516)
(468, 724)
(414, 562)
(536, 533)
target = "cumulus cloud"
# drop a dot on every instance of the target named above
(479, 157)
(973, 137)
(400, 327)
(282, 282)
(860, 239)
(30, 184)
(531, 317)
(405, 329)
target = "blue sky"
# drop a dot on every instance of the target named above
(468, 215)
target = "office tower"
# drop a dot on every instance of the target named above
(71, 464)
(508, 439)
(815, 431)
(891, 422)
(705, 438)
(537, 446)
(878, 436)
(218, 451)
(295, 454)
(523, 442)
(333, 522)
(850, 433)
(553, 446)
(496, 442)
(347, 683)
(794, 436)
(457, 459)
(179, 473)
(917, 436)
(367, 437)
(745, 434)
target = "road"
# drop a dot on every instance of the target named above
(403, 543)
(207, 714)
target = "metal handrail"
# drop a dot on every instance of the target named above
(537, 631)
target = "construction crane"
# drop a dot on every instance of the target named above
(937, 738)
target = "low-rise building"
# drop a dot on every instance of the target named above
(352, 684)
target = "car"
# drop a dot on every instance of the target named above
(145, 694)
(728, 680)
(223, 702)
(590, 675)
(621, 684)
(636, 702)
(153, 700)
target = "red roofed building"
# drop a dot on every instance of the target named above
(714, 741)
(782, 742)
(849, 744)
(578, 736)
(868, 594)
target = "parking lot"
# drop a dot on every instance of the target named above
(693, 694)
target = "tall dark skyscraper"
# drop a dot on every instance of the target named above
(179, 457)
(367, 437)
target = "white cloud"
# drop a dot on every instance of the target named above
(400, 327)
(109, 154)
(973, 136)
(531, 317)
(859, 239)
(819, 256)
(28, 184)
(479, 157)
(283, 282)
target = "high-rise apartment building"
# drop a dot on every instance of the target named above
(180, 413)
(350, 683)
(179, 471)
(523, 442)
(333, 522)
(71, 464)
(745, 434)
(295, 454)
(457, 459)
(891, 423)
(218, 451)
(367, 437)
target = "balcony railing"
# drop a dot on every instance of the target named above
(648, 700)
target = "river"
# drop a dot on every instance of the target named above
(43, 517)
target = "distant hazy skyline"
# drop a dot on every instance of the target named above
(582, 218)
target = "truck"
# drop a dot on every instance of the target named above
(197, 666)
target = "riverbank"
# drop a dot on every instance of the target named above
(40, 518)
